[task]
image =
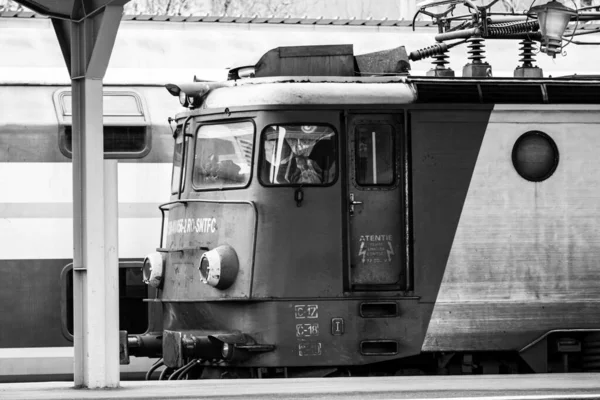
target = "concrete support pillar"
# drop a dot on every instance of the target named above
(96, 262)
(87, 44)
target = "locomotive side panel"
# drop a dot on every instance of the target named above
(524, 258)
(445, 144)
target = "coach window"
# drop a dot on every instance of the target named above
(375, 160)
(298, 155)
(223, 158)
(126, 124)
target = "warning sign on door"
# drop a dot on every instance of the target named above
(376, 249)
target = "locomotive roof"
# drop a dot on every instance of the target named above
(298, 90)
(310, 90)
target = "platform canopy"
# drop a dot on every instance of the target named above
(75, 10)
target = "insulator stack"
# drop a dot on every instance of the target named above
(476, 49)
(527, 53)
(527, 69)
(435, 50)
(477, 67)
(440, 60)
(440, 55)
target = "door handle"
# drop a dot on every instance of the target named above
(353, 203)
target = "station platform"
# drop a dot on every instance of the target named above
(489, 387)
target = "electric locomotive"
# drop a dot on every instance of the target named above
(325, 220)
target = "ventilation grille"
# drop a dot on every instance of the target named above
(447, 93)
(505, 94)
(508, 92)
(569, 94)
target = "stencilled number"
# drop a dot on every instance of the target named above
(307, 330)
(299, 311)
(309, 349)
(303, 311)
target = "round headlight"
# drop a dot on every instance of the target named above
(152, 270)
(219, 267)
(227, 351)
(183, 98)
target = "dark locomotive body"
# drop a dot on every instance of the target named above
(381, 225)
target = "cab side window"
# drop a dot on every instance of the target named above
(375, 158)
(298, 155)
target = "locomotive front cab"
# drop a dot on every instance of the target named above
(285, 229)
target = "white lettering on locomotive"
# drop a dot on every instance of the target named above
(375, 238)
(302, 311)
(307, 330)
(309, 349)
(192, 225)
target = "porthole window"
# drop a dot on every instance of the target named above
(535, 156)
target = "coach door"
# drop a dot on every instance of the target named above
(376, 202)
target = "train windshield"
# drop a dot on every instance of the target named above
(177, 161)
(223, 157)
(298, 154)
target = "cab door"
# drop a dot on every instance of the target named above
(376, 202)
